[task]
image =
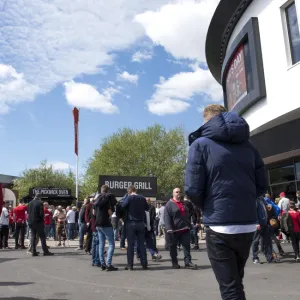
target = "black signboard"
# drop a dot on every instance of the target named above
(51, 192)
(146, 186)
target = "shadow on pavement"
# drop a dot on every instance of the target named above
(2, 260)
(28, 298)
(14, 283)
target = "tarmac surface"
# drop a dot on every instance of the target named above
(69, 276)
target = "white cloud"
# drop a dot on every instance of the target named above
(180, 27)
(59, 165)
(125, 76)
(84, 95)
(51, 42)
(141, 56)
(14, 88)
(172, 95)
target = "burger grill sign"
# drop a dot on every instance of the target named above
(118, 185)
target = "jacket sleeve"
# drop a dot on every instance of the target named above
(261, 180)
(86, 213)
(168, 218)
(195, 175)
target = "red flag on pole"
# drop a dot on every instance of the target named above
(76, 120)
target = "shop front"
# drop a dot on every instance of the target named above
(54, 196)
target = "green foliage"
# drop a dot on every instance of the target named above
(151, 152)
(44, 176)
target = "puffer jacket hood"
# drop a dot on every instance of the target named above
(227, 127)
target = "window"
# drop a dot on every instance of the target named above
(282, 174)
(288, 188)
(293, 32)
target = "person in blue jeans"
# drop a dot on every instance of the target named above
(95, 244)
(103, 209)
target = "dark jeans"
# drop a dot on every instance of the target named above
(123, 236)
(184, 238)
(194, 236)
(228, 254)
(136, 231)
(295, 238)
(40, 230)
(265, 234)
(4, 232)
(71, 231)
(82, 230)
(20, 229)
(89, 239)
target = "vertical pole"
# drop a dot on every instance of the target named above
(77, 161)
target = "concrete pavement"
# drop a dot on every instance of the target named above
(69, 276)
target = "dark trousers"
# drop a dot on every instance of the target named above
(4, 232)
(184, 239)
(228, 254)
(38, 228)
(136, 231)
(167, 240)
(123, 236)
(20, 232)
(295, 238)
(89, 239)
(82, 231)
(263, 234)
(149, 243)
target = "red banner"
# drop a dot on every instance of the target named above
(236, 84)
(76, 120)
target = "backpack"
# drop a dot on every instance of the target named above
(262, 215)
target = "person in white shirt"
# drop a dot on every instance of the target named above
(283, 202)
(4, 227)
(71, 216)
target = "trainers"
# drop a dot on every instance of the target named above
(190, 265)
(103, 267)
(79, 248)
(130, 268)
(156, 257)
(111, 268)
(176, 266)
(256, 261)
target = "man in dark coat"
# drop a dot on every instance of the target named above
(36, 224)
(224, 176)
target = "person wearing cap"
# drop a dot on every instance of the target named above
(283, 202)
(71, 227)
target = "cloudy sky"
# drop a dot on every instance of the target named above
(123, 63)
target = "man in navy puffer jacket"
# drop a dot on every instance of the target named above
(224, 176)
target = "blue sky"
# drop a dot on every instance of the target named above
(123, 64)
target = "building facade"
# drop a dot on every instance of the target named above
(253, 51)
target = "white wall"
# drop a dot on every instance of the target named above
(282, 79)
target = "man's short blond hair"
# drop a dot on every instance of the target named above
(212, 110)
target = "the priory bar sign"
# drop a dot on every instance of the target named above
(146, 186)
(50, 192)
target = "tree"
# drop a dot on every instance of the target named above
(151, 152)
(44, 176)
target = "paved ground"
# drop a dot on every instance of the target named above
(69, 276)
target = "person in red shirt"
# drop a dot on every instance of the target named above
(294, 222)
(47, 219)
(11, 221)
(20, 221)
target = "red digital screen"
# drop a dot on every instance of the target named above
(236, 83)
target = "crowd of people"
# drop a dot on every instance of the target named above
(225, 186)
